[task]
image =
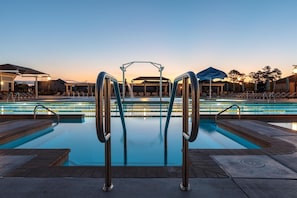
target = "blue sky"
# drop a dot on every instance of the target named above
(76, 39)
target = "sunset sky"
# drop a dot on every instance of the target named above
(76, 39)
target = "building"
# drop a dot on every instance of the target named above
(148, 86)
(287, 84)
(9, 72)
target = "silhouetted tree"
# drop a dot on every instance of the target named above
(236, 77)
(265, 76)
(256, 77)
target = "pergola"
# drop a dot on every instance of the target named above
(23, 72)
(126, 65)
(146, 81)
(70, 84)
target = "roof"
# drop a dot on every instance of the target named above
(211, 73)
(150, 78)
(284, 80)
(9, 68)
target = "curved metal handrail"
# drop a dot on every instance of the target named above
(195, 95)
(195, 104)
(102, 135)
(48, 109)
(103, 96)
(234, 105)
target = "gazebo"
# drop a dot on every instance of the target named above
(8, 73)
(150, 84)
(70, 84)
(209, 74)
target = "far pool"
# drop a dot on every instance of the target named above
(207, 107)
(145, 141)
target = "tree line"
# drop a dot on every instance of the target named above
(260, 81)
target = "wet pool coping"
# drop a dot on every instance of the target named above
(47, 162)
(15, 129)
(64, 118)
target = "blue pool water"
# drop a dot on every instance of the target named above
(207, 107)
(145, 141)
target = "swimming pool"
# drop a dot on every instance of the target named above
(145, 141)
(207, 107)
(145, 124)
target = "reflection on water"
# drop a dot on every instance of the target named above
(145, 141)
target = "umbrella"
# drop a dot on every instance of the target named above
(9, 68)
(23, 71)
(209, 74)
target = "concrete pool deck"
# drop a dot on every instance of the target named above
(267, 172)
(133, 187)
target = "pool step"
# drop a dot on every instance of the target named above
(267, 136)
(14, 129)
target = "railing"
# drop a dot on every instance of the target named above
(49, 110)
(185, 186)
(235, 105)
(103, 96)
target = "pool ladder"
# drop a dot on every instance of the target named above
(103, 109)
(49, 110)
(103, 96)
(230, 107)
(195, 118)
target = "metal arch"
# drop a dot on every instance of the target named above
(157, 65)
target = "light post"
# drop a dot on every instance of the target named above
(295, 77)
(48, 84)
(132, 86)
(123, 68)
(161, 68)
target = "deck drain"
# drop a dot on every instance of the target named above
(253, 163)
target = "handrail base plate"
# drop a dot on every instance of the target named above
(107, 188)
(183, 188)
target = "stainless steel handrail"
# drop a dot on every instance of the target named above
(195, 96)
(48, 109)
(103, 96)
(234, 105)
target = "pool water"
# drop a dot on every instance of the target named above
(145, 141)
(207, 107)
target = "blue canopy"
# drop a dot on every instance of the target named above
(211, 73)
